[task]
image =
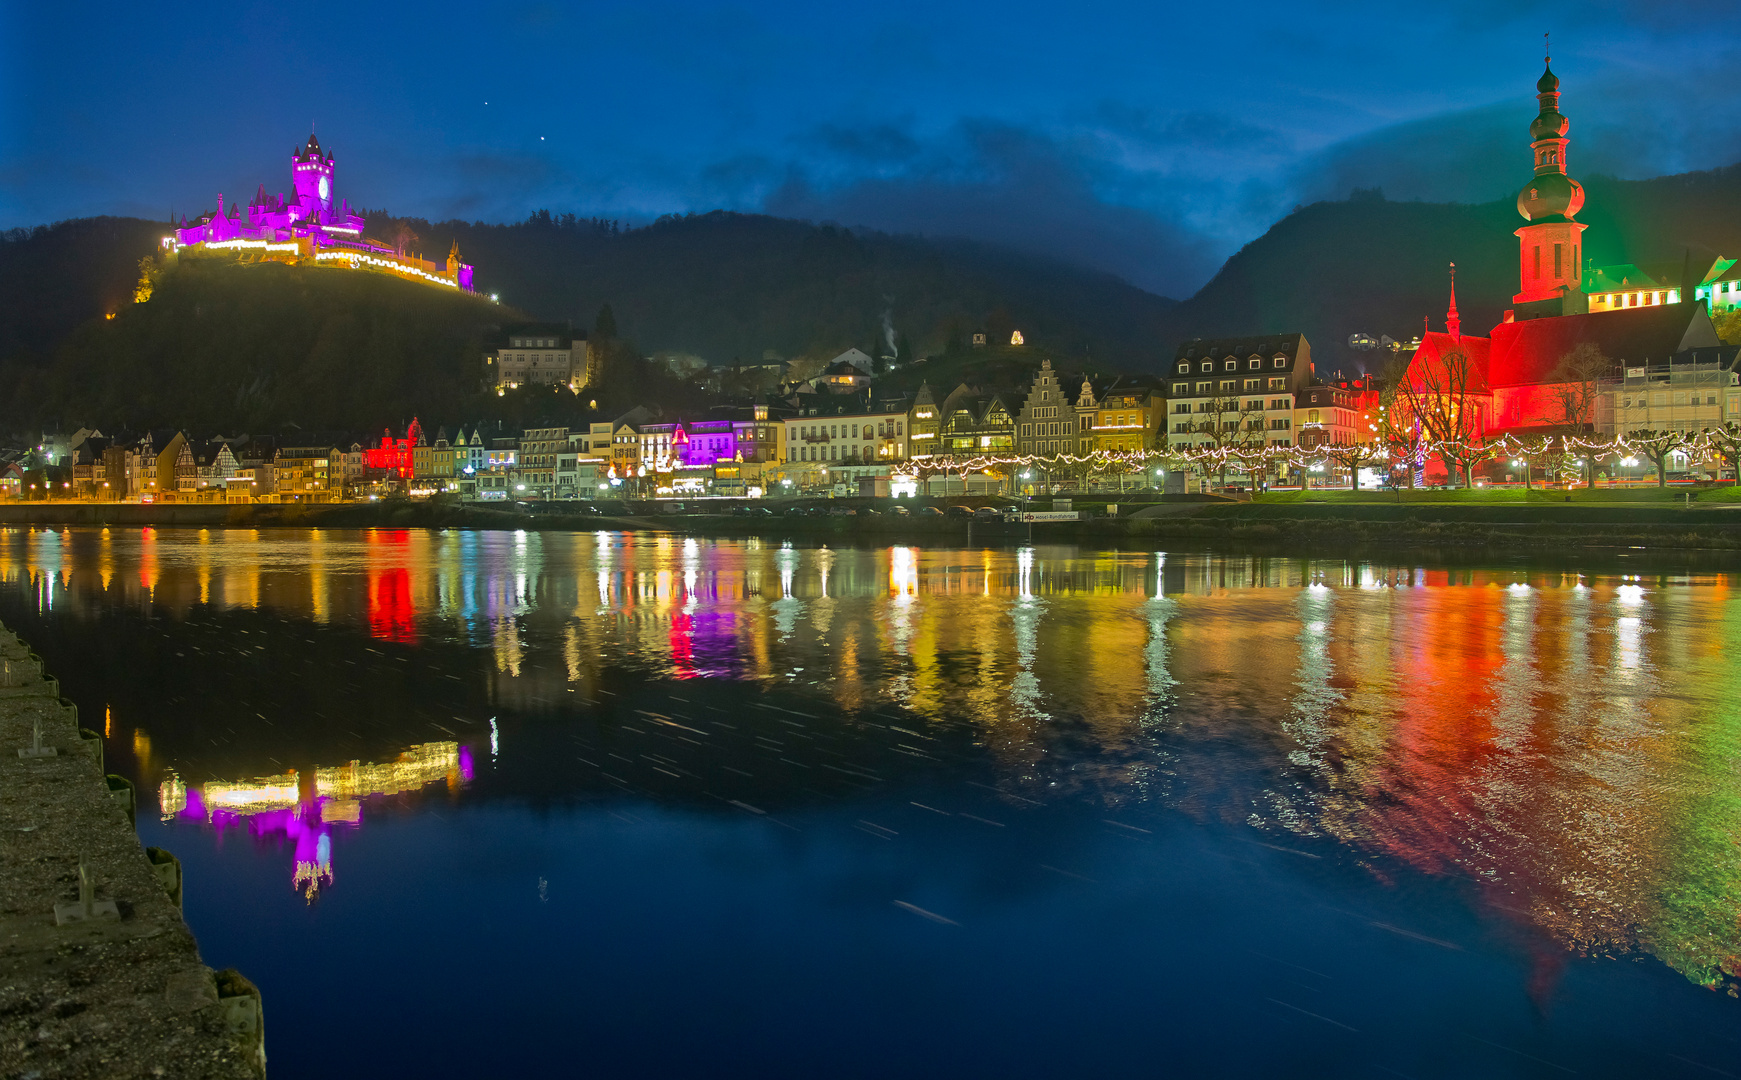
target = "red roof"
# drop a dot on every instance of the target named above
(1526, 353)
(1435, 345)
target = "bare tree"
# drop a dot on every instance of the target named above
(1657, 446)
(1452, 414)
(1228, 425)
(1575, 385)
(1725, 442)
(1352, 456)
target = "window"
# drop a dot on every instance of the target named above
(1227, 386)
(1207, 366)
(1202, 388)
(1255, 363)
(1254, 406)
(1184, 369)
(1281, 361)
(1558, 255)
(1538, 250)
(1024, 431)
(1181, 388)
(1250, 385)
(1280, 403)
(1278, 384)
(1312, 417)
(1231, 365)
(1278, 425)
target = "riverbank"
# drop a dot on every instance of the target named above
(1511, 520)
(99, 974)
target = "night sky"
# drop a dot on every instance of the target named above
(1151, 140)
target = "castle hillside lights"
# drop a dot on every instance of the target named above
(306, 225)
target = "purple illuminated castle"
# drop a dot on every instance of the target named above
(307, 226)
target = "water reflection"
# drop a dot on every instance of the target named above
(1567, 742)
(302, 808)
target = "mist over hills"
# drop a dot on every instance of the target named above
(725, 285)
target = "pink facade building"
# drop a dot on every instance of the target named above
(307, 224)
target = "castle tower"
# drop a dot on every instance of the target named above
(1550, 247)
(311, 172)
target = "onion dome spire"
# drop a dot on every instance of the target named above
(1552, 195)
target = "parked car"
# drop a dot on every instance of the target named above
(842, 511)
(956, 510)
(872, 511)
(929, 512)
(760, 511)
(797, 511)
(899, 511)
(589, 508)
(987, 513)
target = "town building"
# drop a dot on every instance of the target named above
(1341, 413)
(1236, 391)
(1046, 421)
(540, 354)
(308, 226)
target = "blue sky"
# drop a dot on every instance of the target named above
(1150, 140)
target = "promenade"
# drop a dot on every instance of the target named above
(99, 974)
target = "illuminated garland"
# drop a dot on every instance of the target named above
(1701, 446)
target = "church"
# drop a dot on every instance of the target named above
(1582, 349)
(307, 225)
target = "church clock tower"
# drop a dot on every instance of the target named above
(1550, 247)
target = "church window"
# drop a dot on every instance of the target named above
(1558, 270)
(1538, 262)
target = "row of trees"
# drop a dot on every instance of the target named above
(1555, 457)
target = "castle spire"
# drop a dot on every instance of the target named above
(1453, 323)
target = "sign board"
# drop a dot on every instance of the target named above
(1111, 509)
(1061, 504)
(1049, 515)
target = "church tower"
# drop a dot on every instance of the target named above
(311, 172)
(1550, 247)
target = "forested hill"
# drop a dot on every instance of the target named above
(727, 285)
(724, 285)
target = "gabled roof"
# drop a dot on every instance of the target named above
(1255, 345)
(1525, 353)
(1436, 346)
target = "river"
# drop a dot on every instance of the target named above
(515, 804)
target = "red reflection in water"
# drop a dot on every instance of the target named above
(392, 615)
(683, 645)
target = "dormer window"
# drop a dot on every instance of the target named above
(1281, 361)
(1184, 369)
(1232, 365)
(1255, 363)
(1207, 366)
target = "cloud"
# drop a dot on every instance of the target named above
(1002, 184)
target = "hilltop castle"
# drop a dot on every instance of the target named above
(306, 225)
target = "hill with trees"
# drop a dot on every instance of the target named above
(245, 345)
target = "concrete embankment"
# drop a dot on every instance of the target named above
(99, 974)
(1411, 524)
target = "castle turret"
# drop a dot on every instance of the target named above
(1550, 246)
(311, 173)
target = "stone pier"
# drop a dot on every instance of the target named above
(99, 974)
